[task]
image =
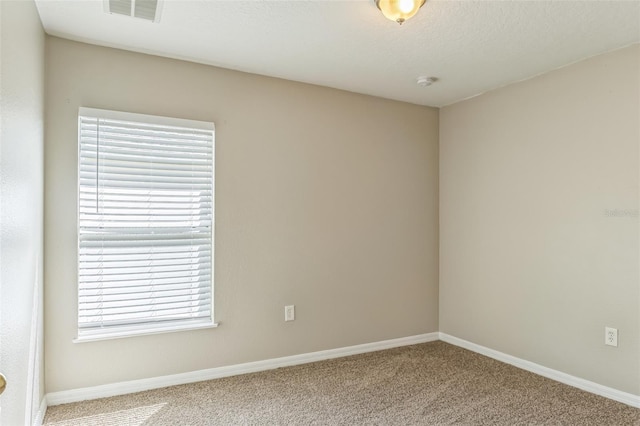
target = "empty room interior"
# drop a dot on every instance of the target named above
(319, 212)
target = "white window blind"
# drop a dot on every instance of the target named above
(145, 224)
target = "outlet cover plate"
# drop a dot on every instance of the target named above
(289, 313)
(611, 336)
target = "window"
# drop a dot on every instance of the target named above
(145, 224)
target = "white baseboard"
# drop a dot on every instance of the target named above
(586, 385)
(41, 411)
(122, 388)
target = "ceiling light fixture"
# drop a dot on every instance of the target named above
(424, 81)
(399, 10)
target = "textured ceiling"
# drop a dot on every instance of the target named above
(470, 46)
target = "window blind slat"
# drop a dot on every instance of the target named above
(140, 304)
(131, 154)
(103, 275)
(150, 186)
(155, 308)
(130, 222)
(141, 315)
(138, 126)
(159, 282)
(181, 160)
(166, 169)
(114, 306)
(189, 178)
(108, 252)
(85, 212)
(117, 205)
(136, 129)
(89, 172)
(143, 303)
(130, 198)
(147, 143)
(142, 290)
(142, 257)
(132, 317)
(123, 146)
(115, 269)
(145, 222)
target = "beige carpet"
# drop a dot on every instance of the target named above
(428, 384)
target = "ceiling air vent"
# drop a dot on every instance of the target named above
(143, 9)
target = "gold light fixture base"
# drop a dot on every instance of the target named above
(399, 10)
(3, 383)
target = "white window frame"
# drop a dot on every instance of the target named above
(127, 330)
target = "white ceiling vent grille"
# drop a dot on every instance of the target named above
(144, 9)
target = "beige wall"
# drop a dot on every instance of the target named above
(539, 219)
(324, 199)
(22, 44)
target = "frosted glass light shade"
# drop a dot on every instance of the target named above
(399, 10)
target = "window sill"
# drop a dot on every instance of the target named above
(121, 333)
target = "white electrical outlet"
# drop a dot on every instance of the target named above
(611, 336)
(289, 312)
